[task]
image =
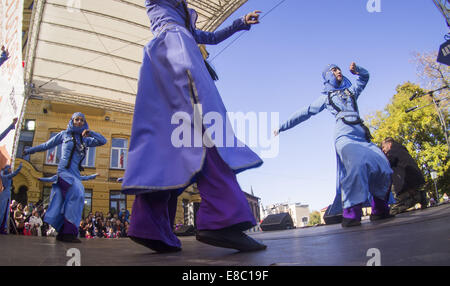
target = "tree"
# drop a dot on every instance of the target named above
(314, 218)
(419, 131)
(432, 75)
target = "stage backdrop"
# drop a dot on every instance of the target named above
(11, 72)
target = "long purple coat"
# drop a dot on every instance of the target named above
(173, 83)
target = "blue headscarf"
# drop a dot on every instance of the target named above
(73, 128)
(330, 82)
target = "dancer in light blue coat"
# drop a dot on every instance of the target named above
(5, 195)
(363, 172)
(67, 196)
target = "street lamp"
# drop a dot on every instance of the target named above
(434, 176)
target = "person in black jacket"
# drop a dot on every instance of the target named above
(407, 179)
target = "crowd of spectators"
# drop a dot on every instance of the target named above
(111, 226)
(29, 221)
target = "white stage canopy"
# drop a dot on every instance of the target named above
(89, 52)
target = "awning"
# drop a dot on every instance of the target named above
(91, 53)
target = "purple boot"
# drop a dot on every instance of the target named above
(380, 209)
(352, 216)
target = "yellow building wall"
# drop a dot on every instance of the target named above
(54, 117)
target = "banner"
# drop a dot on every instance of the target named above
(11, 71)
(444, 53)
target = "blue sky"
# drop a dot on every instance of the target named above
(277, 66)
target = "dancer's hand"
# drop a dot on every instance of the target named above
(276, 133)
(354, 68)
(15, 120)
(252, 17)
(85, 133)
(25, 151)
(5, 51)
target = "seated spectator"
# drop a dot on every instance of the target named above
(111, 233)
(12, 222)
(36, 223)
(27, 229)
(82, 229)
(19, 219)
(126, 213)
(445, 198)
(124, 232)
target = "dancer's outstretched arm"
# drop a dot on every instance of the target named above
(15, 173)
(54, 178)
(213, 38)
(10, 127)
(88, 177)
(303, 114)
(51, 179)
(362, 80)
(53, 142)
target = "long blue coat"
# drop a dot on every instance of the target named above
(71, 207)
(5, 195)
(173, 83)
(362, 168)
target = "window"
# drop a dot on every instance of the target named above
(305, 220)
(30, 125)
(87, 203)
(89, 160)
(26, 138)
(53, 155)
(119, 148)
(117, 202)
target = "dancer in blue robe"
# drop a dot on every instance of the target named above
(5, 195)
(67, 195)
(363, 172)
(175, 78)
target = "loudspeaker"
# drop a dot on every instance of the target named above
(332, 218)
(185, 230)
(277, 222)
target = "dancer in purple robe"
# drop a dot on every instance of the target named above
(175, 78)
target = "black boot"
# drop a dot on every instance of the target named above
(70, 238)
(381, 216)
(229, 238)
(348, 222)
(156, 245)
